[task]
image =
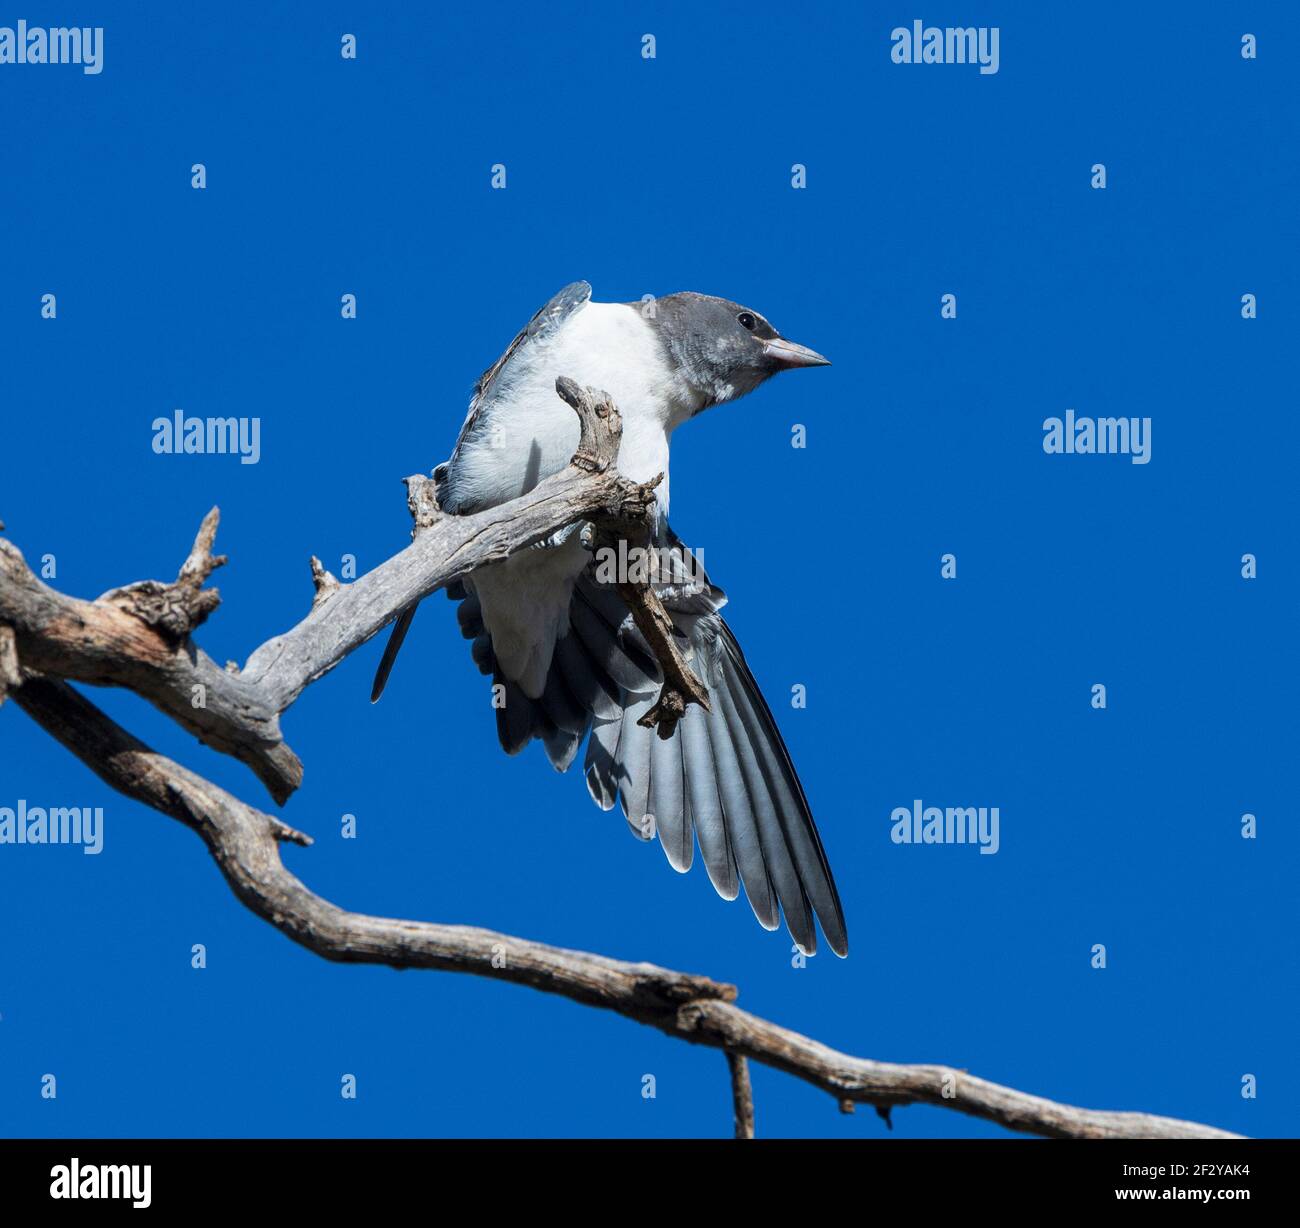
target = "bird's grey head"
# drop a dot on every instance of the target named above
(723, 349)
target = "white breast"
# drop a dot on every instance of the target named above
(532, 433)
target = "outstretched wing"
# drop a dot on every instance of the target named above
(723, 780)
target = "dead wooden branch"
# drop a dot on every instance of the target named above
(245, 844)
(139, 637)
(742, 1095)
(322, 581)
(9, 674)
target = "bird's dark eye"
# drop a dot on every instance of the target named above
(746, 320)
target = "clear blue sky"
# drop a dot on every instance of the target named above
(325, 177)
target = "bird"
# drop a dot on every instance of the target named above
(566, 660)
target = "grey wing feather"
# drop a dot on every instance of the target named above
(601, 767)
(751, 754)
(738, 816)
(723, 780)
(668, 801)
(802, 845)
(705, 803)
(636, 766)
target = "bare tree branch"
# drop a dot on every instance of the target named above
(324, 582)
(10, 677)
(139, 637)
(742, 1095)
(245, 844)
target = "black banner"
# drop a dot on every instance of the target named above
(338, 1176)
